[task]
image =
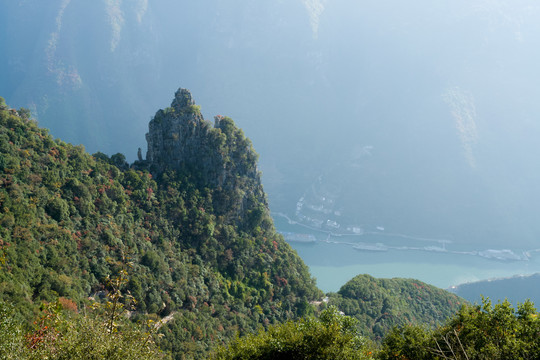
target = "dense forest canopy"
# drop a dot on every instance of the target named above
(381, 304)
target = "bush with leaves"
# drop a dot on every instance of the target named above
(486, 331)
(331, 336)
(60, 334)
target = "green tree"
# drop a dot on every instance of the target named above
(119, 160)
(331, 336)
(406, 342)
(486, 331)
(24, 113)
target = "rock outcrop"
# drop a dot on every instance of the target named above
(219, 157)
(175, 134)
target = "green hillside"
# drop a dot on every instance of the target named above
(70, 220)
(381, 304)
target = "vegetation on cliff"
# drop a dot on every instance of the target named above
(69, 221)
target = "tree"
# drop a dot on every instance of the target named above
(119, 160)
(24, 113)
(406, 342)
(486, 331)
(331, 336)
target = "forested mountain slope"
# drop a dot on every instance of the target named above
(189, 224)
(381, 304)
(199, 246)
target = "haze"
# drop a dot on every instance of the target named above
(417, 118)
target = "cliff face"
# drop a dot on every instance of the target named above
(176, 134)
(218, 157)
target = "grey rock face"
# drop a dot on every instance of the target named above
(176, 133)
(219, 157)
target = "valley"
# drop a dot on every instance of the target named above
(396, 170)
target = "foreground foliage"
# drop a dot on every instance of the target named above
(331, 336)
(476, 332)
(60, 334)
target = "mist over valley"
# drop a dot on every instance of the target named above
(416, 122)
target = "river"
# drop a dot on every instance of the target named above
(334, 263)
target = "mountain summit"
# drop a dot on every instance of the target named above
(217, 157)
(176, 133)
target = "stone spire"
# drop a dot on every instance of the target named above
(182, 99)
(219, 157)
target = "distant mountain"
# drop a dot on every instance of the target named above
(516, 289)
(381, 304)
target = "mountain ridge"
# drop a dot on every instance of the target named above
(205, 251)
(192, 231)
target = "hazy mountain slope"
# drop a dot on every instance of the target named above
(516, 289)
(444, 92)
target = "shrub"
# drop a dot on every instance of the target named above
(331, 336)
(66, 335)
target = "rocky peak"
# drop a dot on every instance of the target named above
(175, 133)
(182, 99)
(219, 157)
